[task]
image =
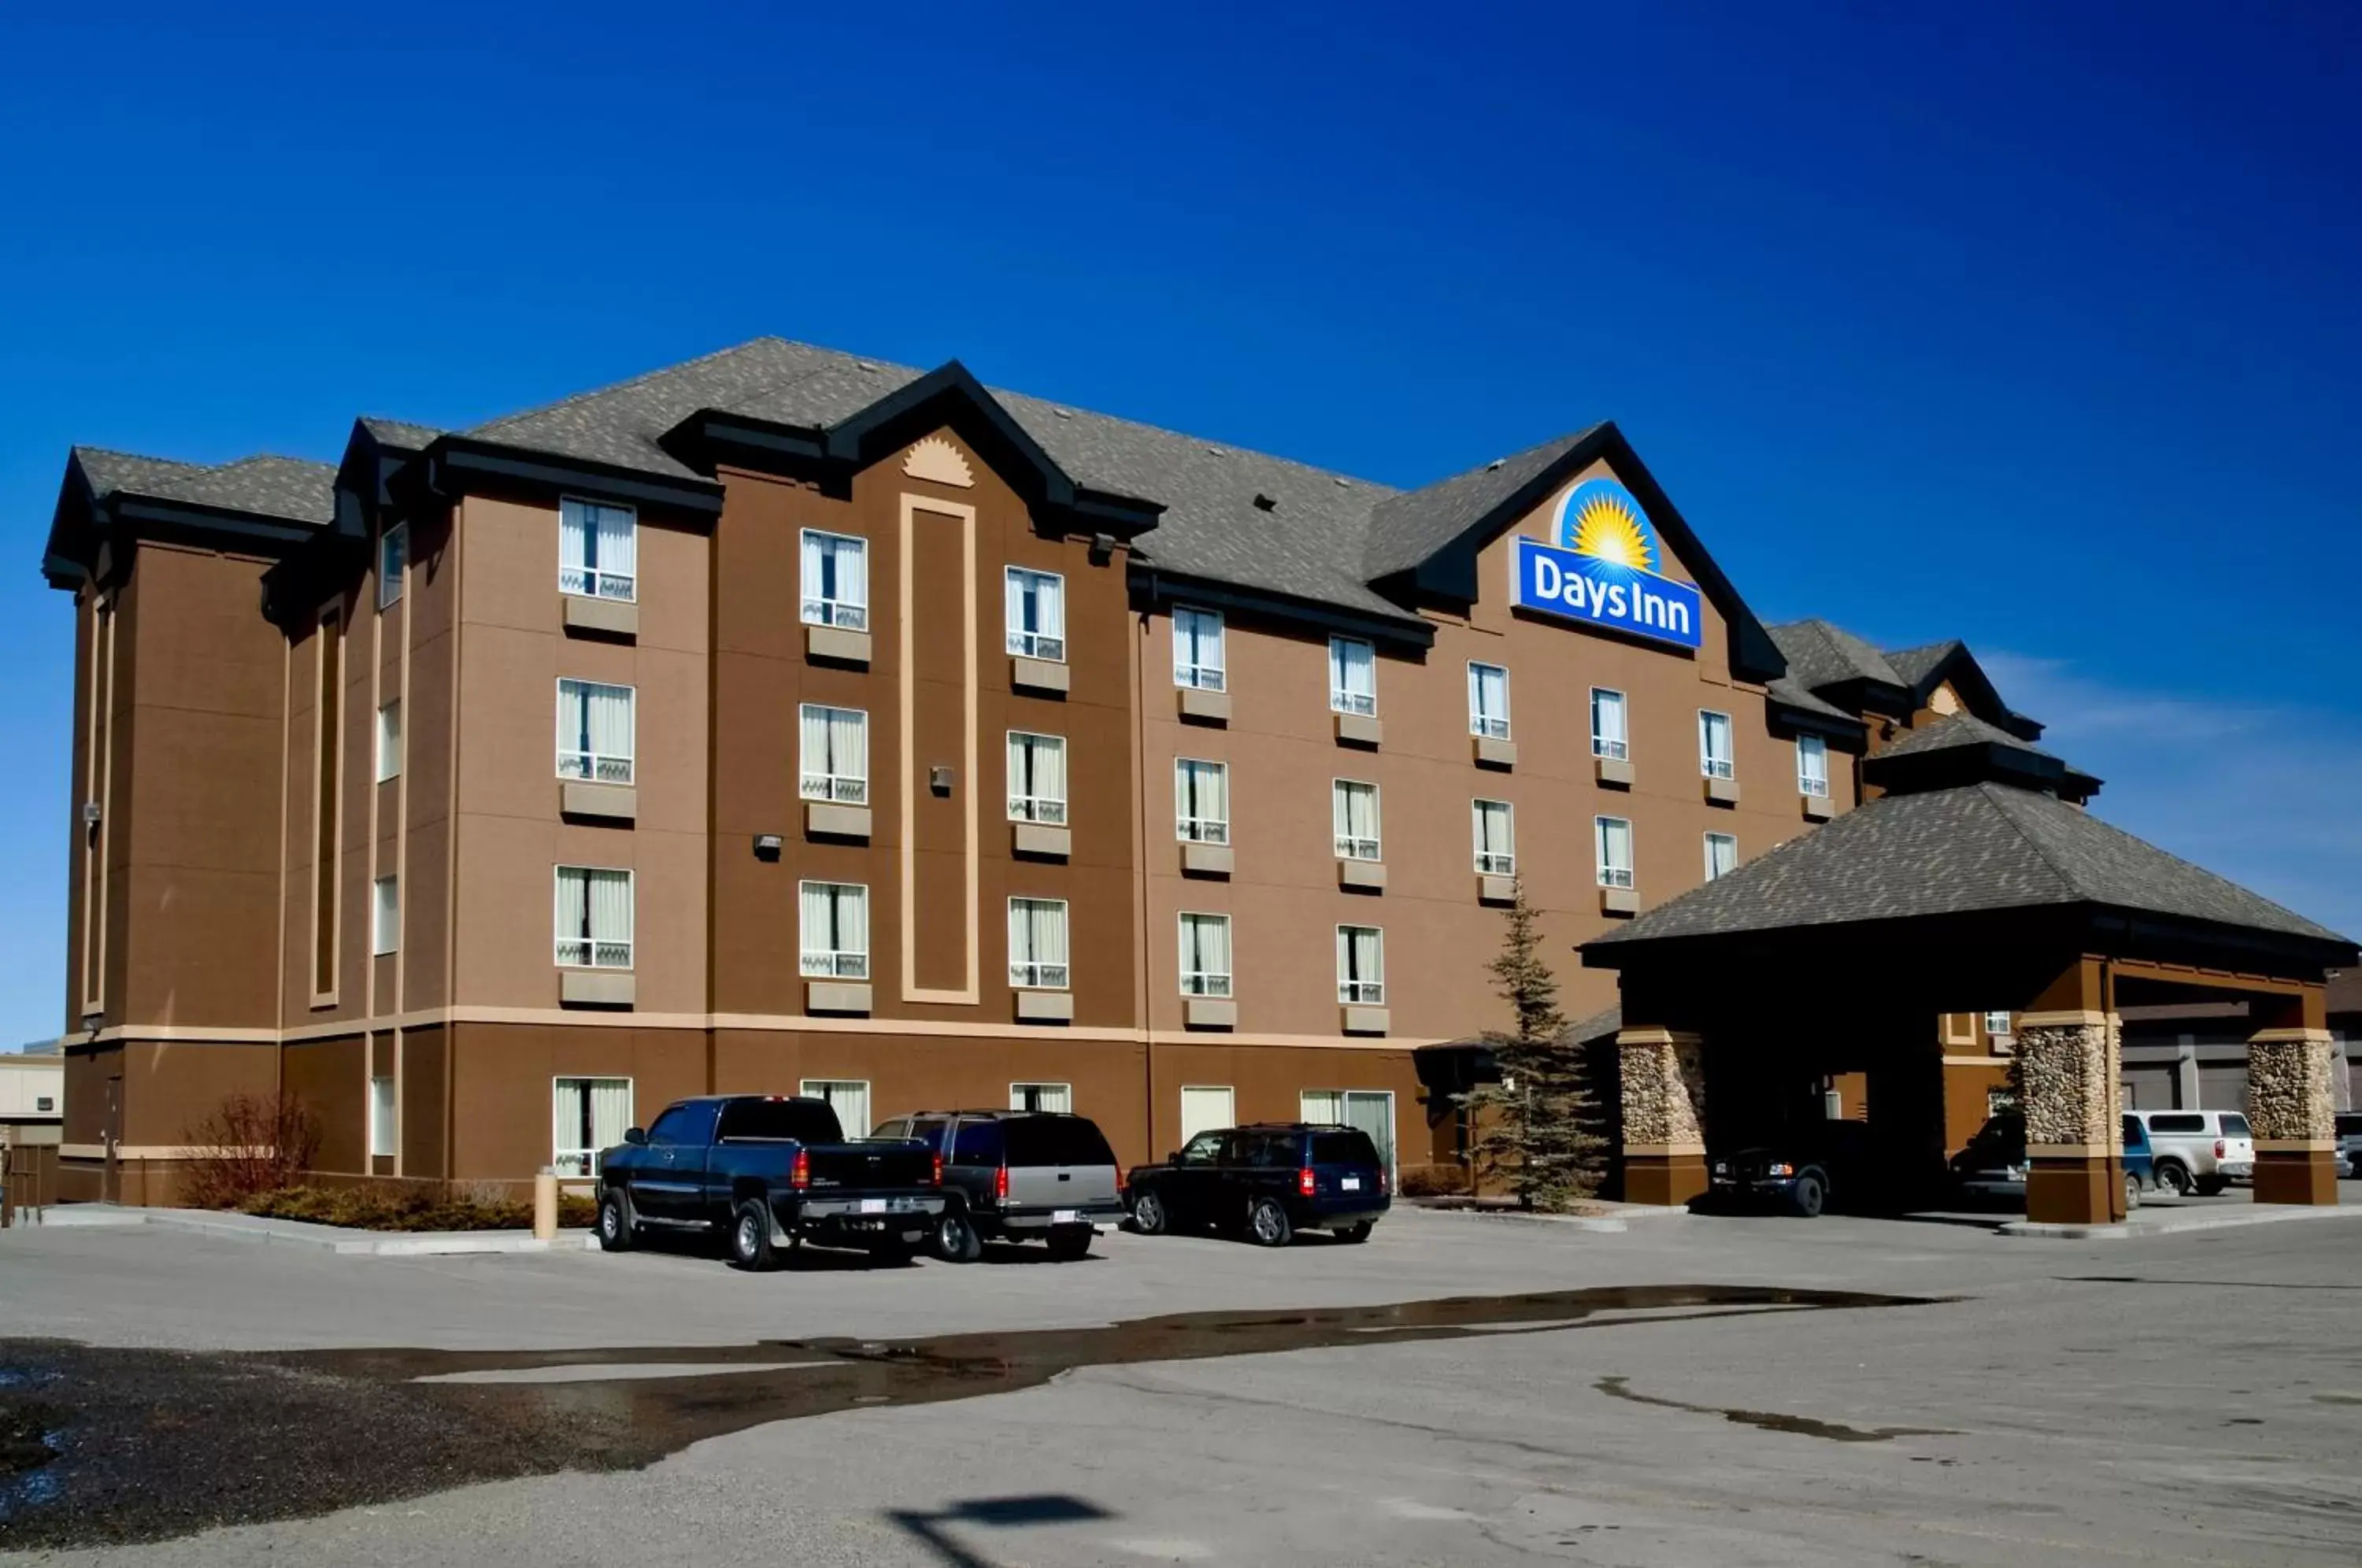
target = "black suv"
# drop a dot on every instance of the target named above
(1271, 1180)
(1801, 1170)
(1016, 1175)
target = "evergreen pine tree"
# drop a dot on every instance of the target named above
(1536, 1129)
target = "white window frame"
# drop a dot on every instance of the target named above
(604, 952)
(392, 564)
(588, 581)
(1487, 725)
(832, 962)
(1229, 1117)
(2006, 1029)
(1190, 829)
(1348, 847)
(1205, 982)
(1045, 643)
(1064, 1093)
(828, 784)
(596, 766)
(1610, 875)
(1620, 748)
(385, 915)
(1343, 697)
(1493, 863)
(1727, 765)
(1712, 839)
(1197, 674)
(389, 740)
(1035, 974)
(1392, 1153)
(384, 1110)
(587, 1159)
(1358, 992)
(1812, 780)
(825, 1089)
(822, 610)
(1030, 808)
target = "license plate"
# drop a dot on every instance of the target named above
(873, 1206)
(1063, 1216)
(1352, 1184)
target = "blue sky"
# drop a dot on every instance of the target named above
(2032, 324)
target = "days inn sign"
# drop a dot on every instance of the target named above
(1602, 569)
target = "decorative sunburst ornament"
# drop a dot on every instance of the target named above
(1605, 526)
(936, 460)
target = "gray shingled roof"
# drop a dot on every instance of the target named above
(110, 471)
(1915, 664)
(1981, 847)
(1955, 730)
(1407, 528)
(1787, 688)
(287, 488)
(1821, 656)
(401, 432)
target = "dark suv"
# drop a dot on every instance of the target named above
(1016, 1175)
(1271, 1180)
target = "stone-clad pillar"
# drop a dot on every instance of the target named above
(2291, 1110)
(2069, 1065)
(1663, 1073)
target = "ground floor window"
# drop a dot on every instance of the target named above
(1207, 1108)
(380, 1117)
(1042, 1097)
(849, 1097)
(586, 1116)
(1369, 1111)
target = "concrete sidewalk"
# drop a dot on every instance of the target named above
(321, 1238)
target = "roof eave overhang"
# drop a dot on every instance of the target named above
(1154, 587)
(1983, 697)
(452, 465)
(1811, 721)
(1916, 772)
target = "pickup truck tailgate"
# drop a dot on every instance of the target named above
(869, 1167)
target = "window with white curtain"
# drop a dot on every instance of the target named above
(1198, 648)
(389, 741)
(1202, 800)
(1812, 766)
(1721, 855)
(594, 731)
(1488, 701)
(1207, 1108)
(1054, 1098)
(385, 915)
(1369, 1111)
(598, 550)
(1205, 955)
(587, 1116)
(836, 580)
(1714, 745)
(1614, 836)
(849, 1097)
(594, 918)
(1352, 676)
(835, 935)
(383, 1144)
(1354, 806)
(1360, 965)
(1998, 1025)
(1497, 850)
(1607, 735)
(1037, 777)
(835, 758)
(1037, 943)
(1037, 614)
(392, 558)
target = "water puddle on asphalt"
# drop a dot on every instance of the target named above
(114, 1444)
(1770, 1421)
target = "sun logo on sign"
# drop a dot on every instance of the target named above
(1601, 520)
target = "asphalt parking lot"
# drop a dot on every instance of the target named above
(1694, 1390)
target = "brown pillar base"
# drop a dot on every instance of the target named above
(2073, 1191)
(2296, 1175)
(1668, 1179)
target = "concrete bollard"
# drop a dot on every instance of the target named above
(545, 1205)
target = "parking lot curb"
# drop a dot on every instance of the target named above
(1601, 1224)
(2211, 1220)
(318, 1238)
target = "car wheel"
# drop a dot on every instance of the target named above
(1068, 1242)
(1148, 1216)
(1267, 1223)
(2132, 1193)
(750, 1236)
(615, 1223)
(955, 1238)
(1353, 1235)
(2173, 1178)
(1806, 1197)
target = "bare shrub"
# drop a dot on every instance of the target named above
(251, 1144)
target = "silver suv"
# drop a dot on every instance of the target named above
(2200, 1151)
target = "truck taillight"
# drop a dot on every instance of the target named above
(800, 1174)
(2219, 1149)
(938, 1179)
(1382, 1180)
(1000, 1183)
(1304, 1181)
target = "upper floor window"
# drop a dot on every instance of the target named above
(1202, 800)
(836, 580)
(1361, 966)
(1356, 810)
(1488, 701)
(598, 550)
(1714, 745)
(1352, 676)
(1613, 836)
(835, 755)
(1496, 851)
(1197, 649)
(1812, 766)
(385, 916)
(1609, 738)
(594, 731)
(1037, 943)
(1037, 777)
(1037, 614)
(389, 740)
(835, 930)
(594, 918)
(1721, 855)
(392, 558)
(1998, 1025)
(1205, 955)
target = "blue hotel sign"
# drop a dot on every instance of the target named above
(1601, 569)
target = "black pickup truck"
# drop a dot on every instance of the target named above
(771, 1172)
